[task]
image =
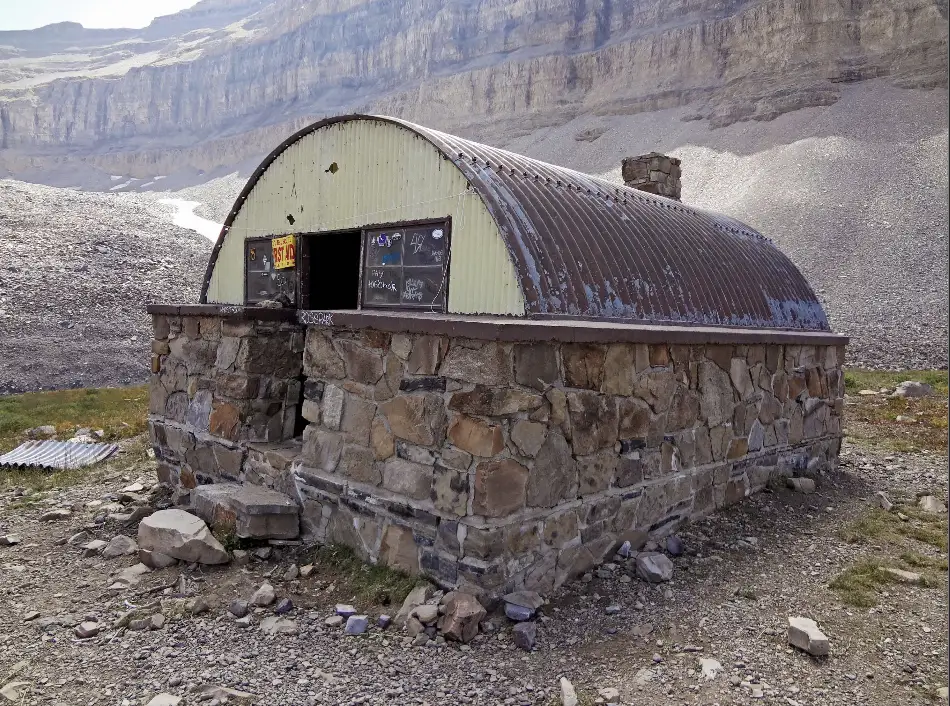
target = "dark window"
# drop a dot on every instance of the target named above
(261, 280)
(406, 267)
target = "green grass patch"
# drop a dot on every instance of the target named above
(919, 561)
(120, 412)
(871, 420)
(860, 584)
(881, 526)
(857, 379)
(374, 583)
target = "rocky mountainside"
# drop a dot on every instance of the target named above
(76, 270)
(214, 85)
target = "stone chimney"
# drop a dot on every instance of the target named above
(654, 173)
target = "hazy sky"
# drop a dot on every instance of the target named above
(29, 14)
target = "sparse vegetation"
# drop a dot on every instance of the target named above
(376, 583)
(872, 420)
(860, 584)
(119, 411)
(887, 527)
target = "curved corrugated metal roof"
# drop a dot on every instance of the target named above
(584, 247)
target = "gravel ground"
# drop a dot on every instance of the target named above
(76, 271)
(744, 572)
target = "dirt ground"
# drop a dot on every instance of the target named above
(744, 572)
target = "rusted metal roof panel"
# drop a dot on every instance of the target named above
(57, 454)
(586, 248)
(589, 248)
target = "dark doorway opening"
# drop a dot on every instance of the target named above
(331, 275)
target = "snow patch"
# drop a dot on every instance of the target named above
(185, 217)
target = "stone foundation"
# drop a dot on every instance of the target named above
(491, 463)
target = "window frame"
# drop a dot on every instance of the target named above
(268, 240)
(446, 224)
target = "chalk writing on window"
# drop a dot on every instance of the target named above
(405, 267)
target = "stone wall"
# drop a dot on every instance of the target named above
(509, 464)
(484, 463)
(654, 173)
(216, 384)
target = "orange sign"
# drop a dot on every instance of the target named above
(285, 252)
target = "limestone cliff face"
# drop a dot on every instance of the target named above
(250, 68)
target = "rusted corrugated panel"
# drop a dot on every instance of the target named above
(57, 454)
(584, 247)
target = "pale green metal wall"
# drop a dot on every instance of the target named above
(386, 173)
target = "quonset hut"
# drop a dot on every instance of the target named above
(464, 362)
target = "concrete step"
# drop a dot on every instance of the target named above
(250, 511)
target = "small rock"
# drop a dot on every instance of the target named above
(134, 488)
(239, 608)
(416, 597)
(264, 596)
(305, 571)
(55, 515)
(140, 624)
(292, 573)
(334, 621)
(274, 625)
(568, 694)
(643, 677)
(165, 700)
(383, 622)
(420, 640)
(943, 693)
(284, 606)
(912, 388)
(654, 567)
(197, 606)
(156, 560)
(804, 634)
(263, 553)
(30, 615)
(710, 668)
(928, 503)
(413, 626)
(531, 600)
(426, 614)
(157, 621)
(345, 610)
(86, 630)
(624, 550)
(79, 538)
(356, 625)
(9, 540)
(180, 534)
(801, 485)
(524, 635)
(120, 545)
(463, 613)
(612, 610)
(244, 622)
(657, 658)
(93, 548)
(674, 545)
(518, 613)
(609, 694)
(903, 576)
(883, 501)
(240, 557)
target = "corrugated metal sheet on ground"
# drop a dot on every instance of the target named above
(57, 454)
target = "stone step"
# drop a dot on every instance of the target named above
(250, 511)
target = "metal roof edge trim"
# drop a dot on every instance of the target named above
(563, 330)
